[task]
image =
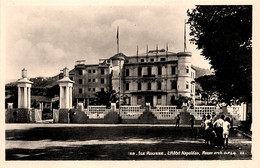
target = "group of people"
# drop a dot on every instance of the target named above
(216, 133)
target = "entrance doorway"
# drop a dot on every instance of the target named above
(149, 99)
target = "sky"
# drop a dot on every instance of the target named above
(45, 39)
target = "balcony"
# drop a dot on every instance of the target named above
(149, 76)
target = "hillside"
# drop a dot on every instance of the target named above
(202, 71)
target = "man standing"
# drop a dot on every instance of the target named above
(178, 121)
(192, 121)
(218, 125)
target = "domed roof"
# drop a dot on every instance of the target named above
(119, 56)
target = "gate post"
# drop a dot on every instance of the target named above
(66, 86)
(24, 98)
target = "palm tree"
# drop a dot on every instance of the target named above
(106, 98)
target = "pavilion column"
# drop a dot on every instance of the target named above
(70, 89)
(29, 97)
(61, 97)
(19, 97)
(67, 92)
(25, 97)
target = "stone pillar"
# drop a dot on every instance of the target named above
(154, 101)
(10, 105)
(113, 107)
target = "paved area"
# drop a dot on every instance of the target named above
(117, 142)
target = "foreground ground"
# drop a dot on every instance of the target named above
(116, 142)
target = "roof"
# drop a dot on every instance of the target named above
(24, 80)
(66, 79)
(119, 56)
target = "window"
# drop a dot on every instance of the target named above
(187, 85)
(174, 85)
(142, 60)
(173, 70)
(159, 85)
(149, 86)
(89, 89)
(102, 89)
(94, 80)
(89, 80)
(102, 71)
(127, 86)
(89, 71)
(94, 71)
(127, 100)
(159, 100)
(149, 69)
(139, 100)
(80, 90)
(152, 60)
(139, 86)
(187, 69)
(159, 71)
(102, 80)
(163, 59)
(94, 89)
(139, 71)
(127, 72)
(80, 72)
(80, 81)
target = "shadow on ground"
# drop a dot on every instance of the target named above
(119, 143)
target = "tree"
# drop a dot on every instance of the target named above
(106, 98)
(224, 34)
(180, 100)
(208, 85)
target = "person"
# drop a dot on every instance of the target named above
(226, 127)
(178, 121)
(202, 125)
(209, 133)
(218, 125)
(192, 121)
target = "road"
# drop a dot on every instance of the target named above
(117, 142)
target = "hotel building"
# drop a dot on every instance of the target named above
(157, 77)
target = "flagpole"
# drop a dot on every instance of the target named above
(185, 35)
(117, 36)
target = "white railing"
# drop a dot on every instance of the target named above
(131, 112)
(199, 111)
(165, 112)
(95, 112)
(238, 112)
